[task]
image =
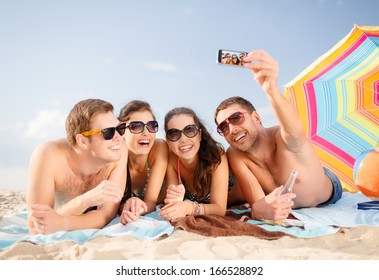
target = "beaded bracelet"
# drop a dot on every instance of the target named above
(196, 208)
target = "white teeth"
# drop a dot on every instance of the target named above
(185, 148)
(239, 137)
(144, 142)
(115, 147)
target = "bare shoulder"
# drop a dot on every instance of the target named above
(224, 158)
(159, 150)
(160, 144)
(51, 149)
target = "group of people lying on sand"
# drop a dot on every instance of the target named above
(109, 165)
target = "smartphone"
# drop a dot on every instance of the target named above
(230, 57)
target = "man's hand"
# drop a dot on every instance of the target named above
(46, 220)
(133, 208)
(175, 193)
(105, 191)
(265, 70)
(273, 207)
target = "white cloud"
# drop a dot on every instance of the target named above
(47, 124)
(163, 67)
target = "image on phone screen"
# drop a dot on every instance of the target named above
(231, 57)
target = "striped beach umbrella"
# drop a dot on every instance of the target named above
(337, 97)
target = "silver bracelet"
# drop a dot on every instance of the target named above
(196, 209)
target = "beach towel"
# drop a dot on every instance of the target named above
(215, 225)
(13, 228)
(237, 222)
(344, 213)
(303, 223)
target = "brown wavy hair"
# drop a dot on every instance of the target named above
(134, 106)
(234, 100)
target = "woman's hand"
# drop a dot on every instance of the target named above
(174, 211)
(175, 193)
(133, 208)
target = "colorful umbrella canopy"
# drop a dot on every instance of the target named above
(337, 97)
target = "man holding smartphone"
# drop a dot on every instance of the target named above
(262, 158)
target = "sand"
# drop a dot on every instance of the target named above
(360, 243)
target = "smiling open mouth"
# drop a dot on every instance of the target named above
(186, 148)
(144, 142)
(240, 137)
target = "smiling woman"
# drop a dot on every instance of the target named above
(147, 160)
(197, 172)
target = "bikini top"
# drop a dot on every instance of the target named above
(189, 195)
(128, 189)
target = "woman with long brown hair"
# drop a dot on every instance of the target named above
(197, 171)
(147, 161)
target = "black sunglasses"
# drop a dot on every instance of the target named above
(136, 127)
(174, 134)
(108, 133)
(236, 118)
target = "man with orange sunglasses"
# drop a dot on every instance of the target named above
(77, 182)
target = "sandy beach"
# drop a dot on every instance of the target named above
(359, 243)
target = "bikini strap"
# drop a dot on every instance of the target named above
(147, 164)
(179, 177)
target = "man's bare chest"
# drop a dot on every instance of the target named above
(70, 185)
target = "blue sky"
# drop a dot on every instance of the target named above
(55, 53)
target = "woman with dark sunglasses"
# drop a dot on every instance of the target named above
(197, 171)
(235, 60)
(147, 161)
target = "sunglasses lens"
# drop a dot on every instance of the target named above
(191, 131)
(136, 127)
(236, 118)
(108, 133)
(121, 129)
(223, 128)
(173, 134)
(152, 126)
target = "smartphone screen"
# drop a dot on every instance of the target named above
(230, 57)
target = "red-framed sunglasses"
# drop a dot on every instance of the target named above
(236, 118)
